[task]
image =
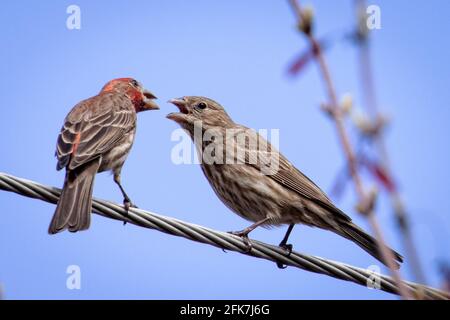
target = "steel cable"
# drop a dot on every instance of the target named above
(223, 240)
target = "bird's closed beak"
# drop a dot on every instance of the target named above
(149, 103)
(181, 116)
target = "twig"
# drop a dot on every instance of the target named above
(222, 240)
(371, 103)
(337, 116)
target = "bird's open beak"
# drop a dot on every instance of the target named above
(181, 116)
(149, 103)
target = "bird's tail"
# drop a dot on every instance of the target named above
(352, 232)
(73, 211)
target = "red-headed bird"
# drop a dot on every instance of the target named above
(255, 188)
(97, 136)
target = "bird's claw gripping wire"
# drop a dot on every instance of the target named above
(244, 236)
(284, 245)
(127, 204)
(288, 248)
(244, 233)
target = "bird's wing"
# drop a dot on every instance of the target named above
(93, 127)
(263, 155)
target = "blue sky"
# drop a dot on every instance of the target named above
(237, 53)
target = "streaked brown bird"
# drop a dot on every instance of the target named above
(97, 136)
(256, 181)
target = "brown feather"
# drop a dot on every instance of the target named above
(73, 210)
(101, 122)
(282, 196)
(96, 136)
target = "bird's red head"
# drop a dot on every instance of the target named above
(141, 98)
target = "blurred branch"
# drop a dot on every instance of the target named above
(366, 202)
(305, 58)
(371, 103)
(222, 240)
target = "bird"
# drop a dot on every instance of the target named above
(254, 180)
(96, 136)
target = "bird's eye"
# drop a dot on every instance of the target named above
(135, 83)
(201, 106)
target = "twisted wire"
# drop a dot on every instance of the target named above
(223, 240)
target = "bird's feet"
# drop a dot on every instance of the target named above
(244, 235)
(288, 248)
(127, 204)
